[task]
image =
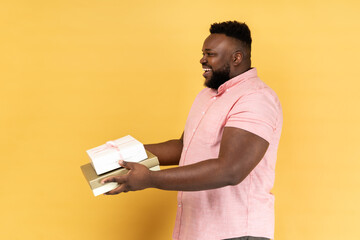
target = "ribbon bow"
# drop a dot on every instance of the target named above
(109, 144)
(112, 144)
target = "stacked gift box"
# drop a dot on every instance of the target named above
(105, 158)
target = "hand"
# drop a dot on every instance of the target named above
(138, 178)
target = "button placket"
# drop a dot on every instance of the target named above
(192, 133)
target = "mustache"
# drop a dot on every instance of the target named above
(206, 66)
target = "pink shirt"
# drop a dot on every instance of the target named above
(246, 209)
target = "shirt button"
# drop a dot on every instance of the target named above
(227, 90)
(179, 205)
(193, 130)
(203, 113)
(214, 98)
(186, 148)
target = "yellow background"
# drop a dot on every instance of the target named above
(75, 74)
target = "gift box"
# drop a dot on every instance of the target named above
(105, 158)
(94, 180)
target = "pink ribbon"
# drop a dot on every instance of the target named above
(110, 144)
(116, 147)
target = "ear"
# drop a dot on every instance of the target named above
(237, 57)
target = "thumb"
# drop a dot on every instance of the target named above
(127, 165)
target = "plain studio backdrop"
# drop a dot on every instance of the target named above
(75, 74)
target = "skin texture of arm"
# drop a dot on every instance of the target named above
(240, 152)
(168, 152)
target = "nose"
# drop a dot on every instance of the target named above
(203, 60)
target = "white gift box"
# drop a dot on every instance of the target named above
(105, 158)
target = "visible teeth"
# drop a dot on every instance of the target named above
(206, 69)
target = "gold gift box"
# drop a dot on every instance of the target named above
(94, 180)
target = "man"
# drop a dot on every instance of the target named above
(227, 152)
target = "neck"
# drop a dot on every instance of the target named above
(240, 71)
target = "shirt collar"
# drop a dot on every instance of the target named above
(235, 80)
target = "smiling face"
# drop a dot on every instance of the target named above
(217, 57)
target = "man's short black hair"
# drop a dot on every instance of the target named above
(233, 29)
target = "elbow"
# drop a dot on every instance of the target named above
(234, 178)
(233, 181)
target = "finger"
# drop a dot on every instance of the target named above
(120, 189)
(123, 164)
(127, 165)
(108, 179)
(118, 179)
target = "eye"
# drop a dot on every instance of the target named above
(208, 54)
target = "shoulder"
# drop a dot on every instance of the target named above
(256, 91)
(257, 101)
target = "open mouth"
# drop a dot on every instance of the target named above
(207, 71)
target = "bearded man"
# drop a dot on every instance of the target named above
(227, 152)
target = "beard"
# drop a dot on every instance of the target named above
(218, 77)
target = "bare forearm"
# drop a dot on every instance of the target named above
(196, 177)
(240, 152)
(168, 152)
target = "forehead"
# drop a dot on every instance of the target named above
(218, 42)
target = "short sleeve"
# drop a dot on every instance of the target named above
(256, 113)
